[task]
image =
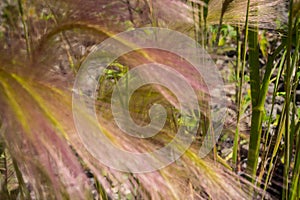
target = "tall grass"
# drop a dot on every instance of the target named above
(259, 90)
(40, 147)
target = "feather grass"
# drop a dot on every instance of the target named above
(36, 105)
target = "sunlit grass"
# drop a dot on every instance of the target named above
(48, 156)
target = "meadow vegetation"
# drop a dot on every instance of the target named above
(255, 44)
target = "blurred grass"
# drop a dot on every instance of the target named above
(41, 54)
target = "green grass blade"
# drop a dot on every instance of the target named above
(296, 171)
(288, 84)
(257, 111)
